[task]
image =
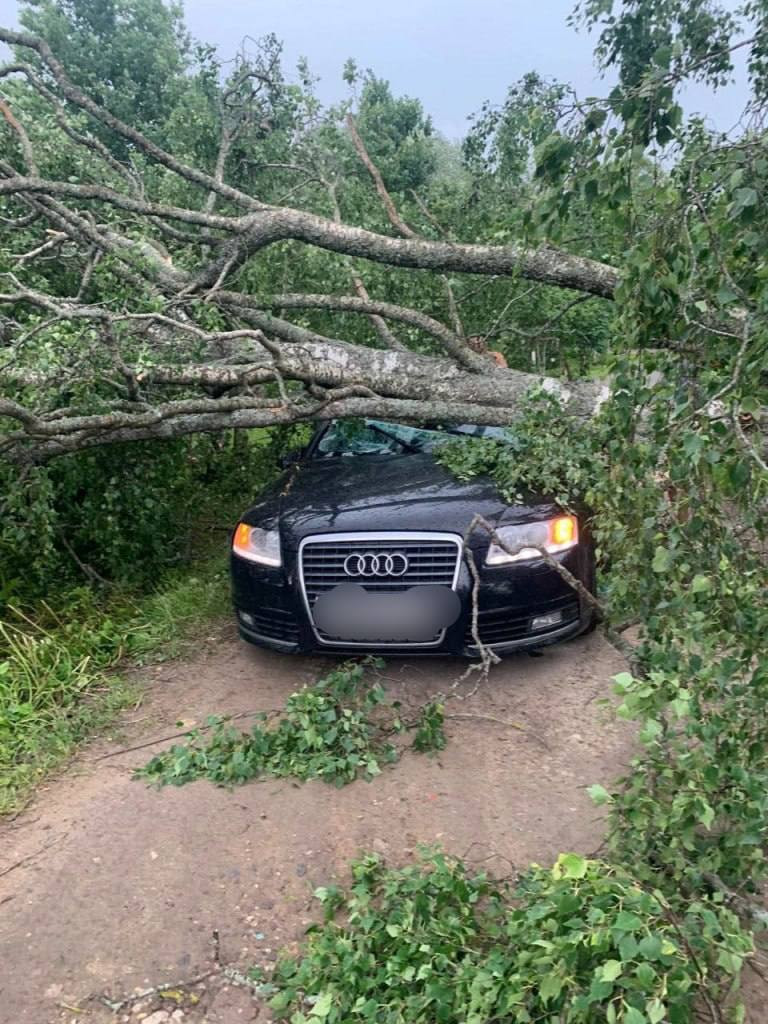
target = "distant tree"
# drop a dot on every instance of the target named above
(129, 55)
(399, 133)
(502, 139)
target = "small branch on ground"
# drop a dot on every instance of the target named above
(185, 732)
(506, 724)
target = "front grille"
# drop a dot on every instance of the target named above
(504, 625)
(276, 624)
(432, 558)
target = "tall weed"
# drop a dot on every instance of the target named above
(58, 683)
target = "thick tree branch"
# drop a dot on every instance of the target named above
(255, 232)
(545, 265)
(391, 384)
(396, 220)
(80, 99)
(30, 447)
(141, 374)
(452, 344)
(21, 184)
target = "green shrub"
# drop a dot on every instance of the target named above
(102, 558)
(679, 520)
(51, 696)
(124, 514)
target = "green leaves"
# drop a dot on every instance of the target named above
(626, 921)
(433, 942)
(725, 295)
(595, 119)
(609, 971)
(662, 559)
(701, 584)
(569, 865)
(598, 794)
(634, 1016)
(671, 511)
(550, 988)
(553, 156)
(322, 1005)
(337, 730)
(743, 199)
(650, 947)
(655, 1010)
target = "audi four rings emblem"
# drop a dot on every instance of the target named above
(370, 564)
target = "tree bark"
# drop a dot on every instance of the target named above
(315, 376)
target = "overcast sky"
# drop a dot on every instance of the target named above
(452, 54)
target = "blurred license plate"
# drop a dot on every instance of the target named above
(417, 615)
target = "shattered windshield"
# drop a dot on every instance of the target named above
(379, 437)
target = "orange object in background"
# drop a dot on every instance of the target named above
(478, 344)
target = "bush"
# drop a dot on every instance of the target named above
(124, 514)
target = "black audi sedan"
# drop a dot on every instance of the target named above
(359, 548)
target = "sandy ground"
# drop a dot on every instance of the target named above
(108, 887)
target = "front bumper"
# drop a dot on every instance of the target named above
(271, 611)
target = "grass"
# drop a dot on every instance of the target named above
(60, 678)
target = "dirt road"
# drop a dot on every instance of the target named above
(111, 887)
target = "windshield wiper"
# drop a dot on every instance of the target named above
(459, 430)
(452, 430)
(393, 437)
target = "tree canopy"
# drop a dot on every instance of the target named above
(192, 246)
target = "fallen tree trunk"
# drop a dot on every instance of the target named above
(340, 380)
(262, 370)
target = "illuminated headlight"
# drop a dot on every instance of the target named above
(257, 545)
(526, 538)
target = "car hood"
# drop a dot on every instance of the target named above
(382, 492)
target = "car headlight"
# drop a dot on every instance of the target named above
(257, 545)
(551, 534)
